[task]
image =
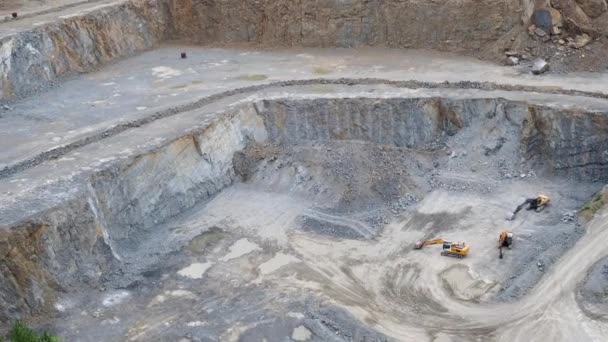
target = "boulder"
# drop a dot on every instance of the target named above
(539, 66)
(575, 19)
(580, 41)
(540, 32)
(592, 8)
(512, 60)
(547, 18)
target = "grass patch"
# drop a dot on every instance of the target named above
(252, 77)
(591, 207)
(195, 82)
(204, 241)
(179, 86)
(322, 90)
(22, 333)
(321, 71)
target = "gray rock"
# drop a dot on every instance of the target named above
(539, 66)
(512, 61)
(580, 41)
(540, 32)
(568, 216)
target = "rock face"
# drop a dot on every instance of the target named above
(47, 255)
(79, 43)
(79, 241)
(592, 8)
(563, 141)
(583, 16)
(556, 138)
(409, 23)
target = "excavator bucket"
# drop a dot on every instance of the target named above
(418, 244)
(510, 216)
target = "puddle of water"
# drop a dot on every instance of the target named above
(195, 270)
(196, 324)
(115, 298)
(278, 261)
(240, 248)
(165, 72)
(301, 333)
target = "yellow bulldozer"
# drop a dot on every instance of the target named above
(455, 249)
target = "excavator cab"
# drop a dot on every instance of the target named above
(542, 201)
(455, 249)
(504, 240)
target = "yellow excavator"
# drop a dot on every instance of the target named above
(504, 240)
(455, 249)
(537, 203)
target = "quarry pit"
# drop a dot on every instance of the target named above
(253, 191)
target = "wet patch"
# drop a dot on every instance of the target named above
(165, 72)
(252, 77)
(240, 248)
(195, 270)
(278, 261)
(321, 71)
(205, 241)
(301, 333)
(115, 298)
(465, 285)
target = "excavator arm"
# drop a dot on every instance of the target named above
(421, 244)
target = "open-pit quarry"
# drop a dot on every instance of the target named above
(183, 170)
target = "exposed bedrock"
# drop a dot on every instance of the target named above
(83, 235)
(79, 43)
(454, 25)
(563, 142)
(75, 242)
(568, 142)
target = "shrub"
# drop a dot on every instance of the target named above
(22, 333)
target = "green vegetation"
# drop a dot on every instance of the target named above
(205, 240)
(22, 333)
(321, 71)
(322, 90)
(252, 77)
(591, 207)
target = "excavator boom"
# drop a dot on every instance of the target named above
(421, 244)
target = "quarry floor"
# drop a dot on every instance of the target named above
(247, 272)
(240, 266)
